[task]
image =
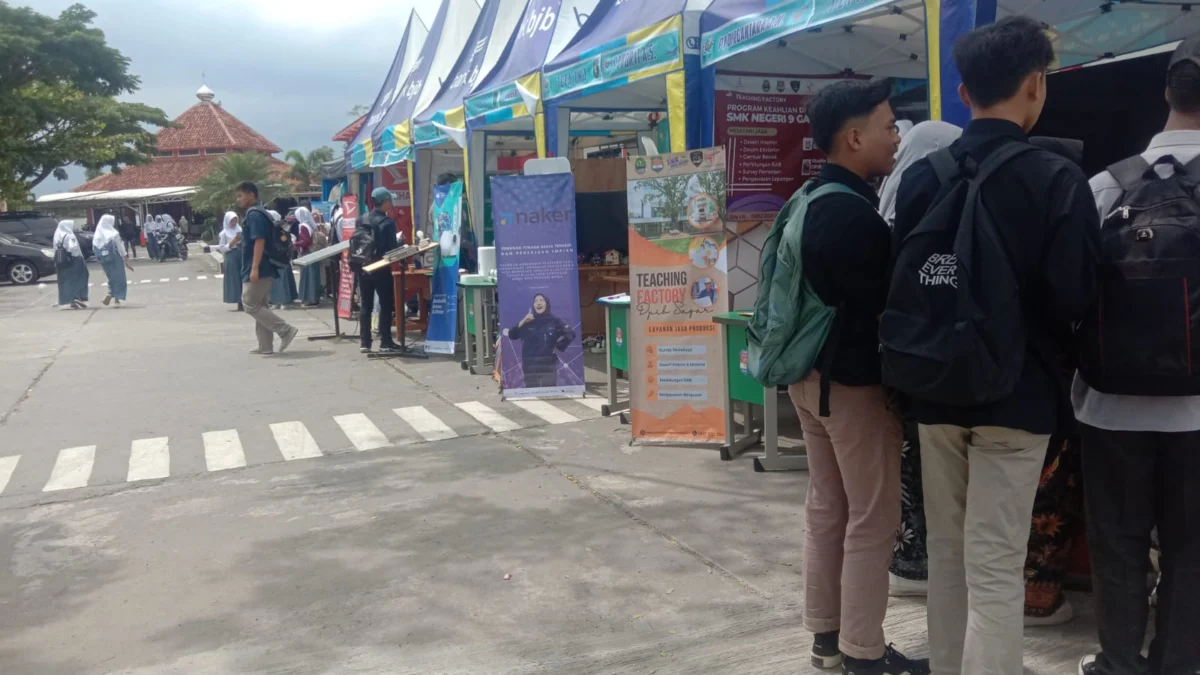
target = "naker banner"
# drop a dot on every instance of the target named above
(537, 270)
(678, 283)
(443, 311)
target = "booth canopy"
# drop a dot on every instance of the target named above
(619, 45)
(391, 139)
(415, 34)
(443, 119)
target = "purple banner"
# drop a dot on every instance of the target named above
(537, 268)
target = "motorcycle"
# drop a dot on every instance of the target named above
(171, 244)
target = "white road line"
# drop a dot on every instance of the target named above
(488, 417)
(294, 441)
(218, 276)
(201, 278)
(362, 432)
(183, 278)
(147, 281)
(90, 285)
(72, 469)
(7, 466)
(546, 411)
(593, 402)
(426, 423)
(223, 450)
(149, 458)
(163, 281)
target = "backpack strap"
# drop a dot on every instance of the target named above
(999, 158)
(1129, 172)
(945, 166)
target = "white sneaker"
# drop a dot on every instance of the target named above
(1064, 613)
(1087, 665)
(899, 587)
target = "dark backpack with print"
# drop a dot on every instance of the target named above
(953, 331)
(1142, 335)
(279, 248)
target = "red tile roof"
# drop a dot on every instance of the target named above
(164, 172)
(346, 135)
(208, 125)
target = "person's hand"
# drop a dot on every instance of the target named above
(527, 319)
(254, 274)
(128, 265)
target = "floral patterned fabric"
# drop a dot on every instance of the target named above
(1057, 518)
(909, 558)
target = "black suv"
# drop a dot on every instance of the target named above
(37, 229)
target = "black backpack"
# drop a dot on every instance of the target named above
(362, 247)
(953, 331)
(1142, 334)
(279, 248)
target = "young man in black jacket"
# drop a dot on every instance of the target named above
(981, 464)
(378, 283)
(852, 508)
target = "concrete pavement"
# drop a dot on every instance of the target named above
(622, 559)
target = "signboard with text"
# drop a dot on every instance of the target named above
(345, 298)
(678, 283)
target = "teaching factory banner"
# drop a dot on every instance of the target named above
(537, 274)
(443, 310)
(678, 283)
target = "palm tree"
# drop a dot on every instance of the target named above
(215, 193)
(306, 169)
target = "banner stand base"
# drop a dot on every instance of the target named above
(401, 353)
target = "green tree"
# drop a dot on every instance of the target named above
(306, 169)
(713, 183)
(215, 193)
(670, 195)
(59, 81)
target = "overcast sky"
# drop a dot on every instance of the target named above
(291, 69)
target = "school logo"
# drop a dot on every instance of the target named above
(639, 165)
(656, 164)
(596, 69)
(766, 86)
(697, 157)
(708, 46)
(796, 86)
(780, 86)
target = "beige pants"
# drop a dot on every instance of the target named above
(979, 487)
(267, 324)
(851, 511)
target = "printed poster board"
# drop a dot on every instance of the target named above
(537, 269)
(678, 282)
(443, 309)
(345, 298)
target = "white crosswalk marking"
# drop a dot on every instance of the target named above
(426, 423)
(593, 402)
(163, 281)
(361, 431)
(223, 450)
(147, 281)
(488, 417)
(7, 466)
(294, 441)
(546, 411)
(218, 276)
(72, 469)
(149, 458)
(201, 277)
(183, 278)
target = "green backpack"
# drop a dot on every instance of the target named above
(790, 323)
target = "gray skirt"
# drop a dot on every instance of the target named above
(233, 277)
(73, 281)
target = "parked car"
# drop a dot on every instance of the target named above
(37, 229)
(24, 263)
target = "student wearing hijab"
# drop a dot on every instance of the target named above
(229, 244)
(110, 251)
(283, 289)
(72, 270)
(170, 228)
(915, 145)
(148, 229)
(310, 275)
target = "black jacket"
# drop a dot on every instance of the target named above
(1048, 224)
(540, 338)
(383, 229)
(845, 249)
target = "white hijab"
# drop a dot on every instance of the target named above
(919, 142)
(306, 220)
(64, 236)
(105, 232)
(229, 232)
(169, 223)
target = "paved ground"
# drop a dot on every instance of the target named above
(327, 555)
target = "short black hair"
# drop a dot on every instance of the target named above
(832, 107)
(994, 60)
(248, 187)
(1183, 87)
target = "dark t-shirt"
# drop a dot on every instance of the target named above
(258, 226)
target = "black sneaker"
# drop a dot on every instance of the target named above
(1087, 665)
(892, 663)
(826, 654)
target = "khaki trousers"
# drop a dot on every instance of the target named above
(851, 511)
(979, 487)
(267, 324)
